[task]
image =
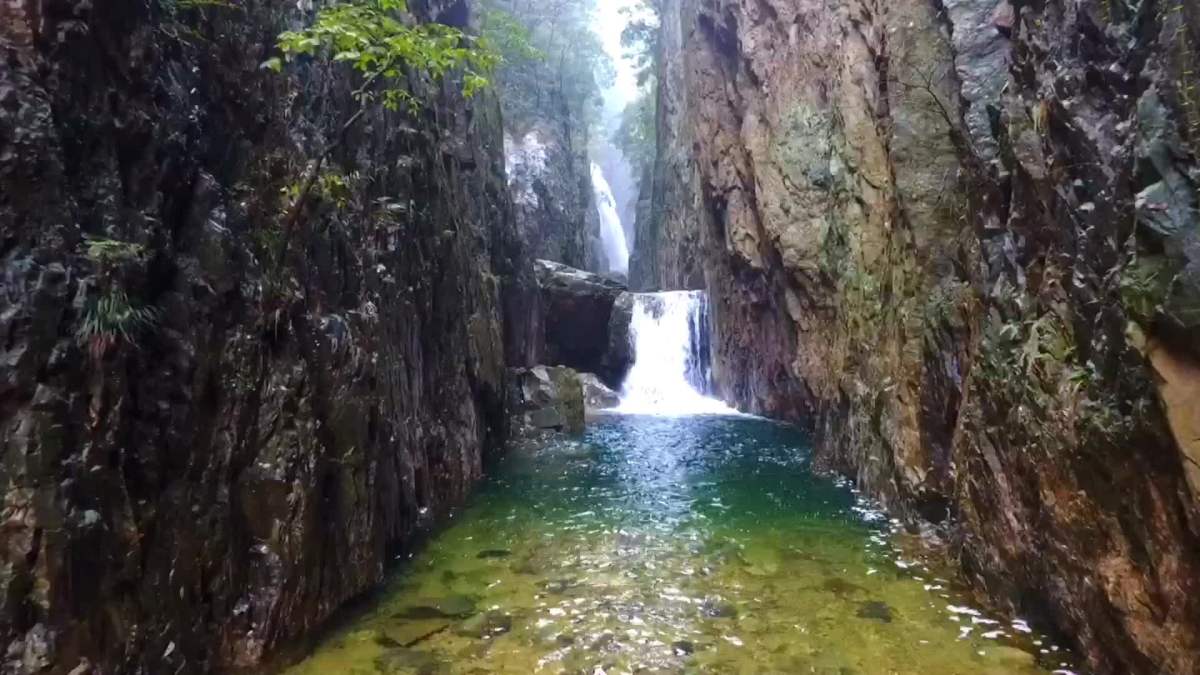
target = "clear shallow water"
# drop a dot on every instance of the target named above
(678, 545)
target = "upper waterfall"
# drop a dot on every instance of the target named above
(612, 236)
(671, 368)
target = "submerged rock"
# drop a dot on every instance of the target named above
(761, 560)
(875, 610)
(490, 623)
(454, 606)
(402, 661)
(717, 608)
(683, 647)
(527, 565)
(602, 641)
(409, 633)
(558, 586)
(841, 588)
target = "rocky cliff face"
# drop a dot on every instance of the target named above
(666, 254)
(211, 439)
(550, 178)
(961, 239)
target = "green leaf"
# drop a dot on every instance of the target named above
(368, 35)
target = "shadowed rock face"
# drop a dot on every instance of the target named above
(577, 307)
(959, 239)
(255, 455)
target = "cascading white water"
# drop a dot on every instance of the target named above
(612, 236)
(670, 373)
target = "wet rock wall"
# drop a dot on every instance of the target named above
(958, 238)
(217, 425)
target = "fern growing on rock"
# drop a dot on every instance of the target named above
(111, 318)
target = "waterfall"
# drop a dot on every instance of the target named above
(671, 372)
(611, 235)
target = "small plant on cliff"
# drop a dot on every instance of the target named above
(375, 39)
(111, 317)
(1143, 284)
(109, 252)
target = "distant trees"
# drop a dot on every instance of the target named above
(550, 56)
(636, 133)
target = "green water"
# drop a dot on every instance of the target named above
(677, 545)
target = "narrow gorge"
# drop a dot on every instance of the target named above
(599, 336)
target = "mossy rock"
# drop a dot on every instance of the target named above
(570, 398)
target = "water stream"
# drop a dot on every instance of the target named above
(612, 235)
(671, 373)
(676, 543)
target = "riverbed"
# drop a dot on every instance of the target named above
(698, 544)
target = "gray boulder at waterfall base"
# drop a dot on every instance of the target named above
(596, 394)
(547, 398)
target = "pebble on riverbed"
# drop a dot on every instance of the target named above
(716, 608)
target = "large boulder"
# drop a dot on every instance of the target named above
(596, 394)
(576, 307)
(547, 398)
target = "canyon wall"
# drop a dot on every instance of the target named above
(547, 104)
(220, 423)
(960, 239)
(666, 251)
(550, 180)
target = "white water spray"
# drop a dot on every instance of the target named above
(612, 236)
(670, 373)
